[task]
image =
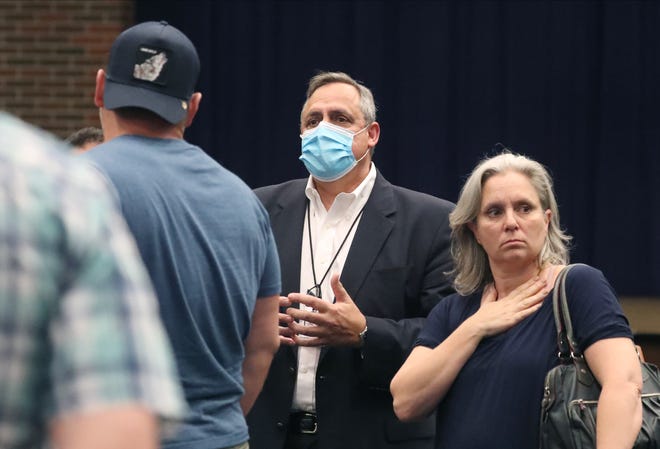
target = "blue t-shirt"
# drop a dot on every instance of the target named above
(495, 401)
(207, 244)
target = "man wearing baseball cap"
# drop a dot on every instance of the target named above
(203, 235)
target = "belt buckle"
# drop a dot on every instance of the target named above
(312, 418)
(310, 432)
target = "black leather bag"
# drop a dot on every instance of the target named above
(570, 401)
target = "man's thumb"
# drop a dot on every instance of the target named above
(341, 295)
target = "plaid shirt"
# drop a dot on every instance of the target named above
(79, 324)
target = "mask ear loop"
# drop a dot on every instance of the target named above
(368, 149)
(363, 156)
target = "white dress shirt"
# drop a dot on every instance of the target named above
(329, 228)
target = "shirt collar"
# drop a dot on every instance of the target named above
(360, 193)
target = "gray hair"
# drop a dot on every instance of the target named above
(471, 269)
(367, 103)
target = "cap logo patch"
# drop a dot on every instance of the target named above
(150, 64)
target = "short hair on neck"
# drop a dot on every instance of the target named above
(83, 136)
(131, 113)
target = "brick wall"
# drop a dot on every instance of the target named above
(50, 51)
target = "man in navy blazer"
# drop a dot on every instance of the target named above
(343, 340)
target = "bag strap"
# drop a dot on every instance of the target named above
(565, 341)
(568, 347)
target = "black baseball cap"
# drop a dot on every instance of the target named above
(153, 66)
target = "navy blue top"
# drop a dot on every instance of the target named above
(495, 401)
(207, 244)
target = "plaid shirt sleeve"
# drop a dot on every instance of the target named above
(79, 323)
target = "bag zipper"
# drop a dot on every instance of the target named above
(582, 403)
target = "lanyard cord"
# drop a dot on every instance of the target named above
(316, 289)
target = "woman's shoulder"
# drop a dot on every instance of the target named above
(588, 282)
(582, 268)
(583, 272)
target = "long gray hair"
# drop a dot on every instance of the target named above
(471, 268)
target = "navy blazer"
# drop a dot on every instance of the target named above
(395, 272)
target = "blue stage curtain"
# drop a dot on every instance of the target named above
(573, 84)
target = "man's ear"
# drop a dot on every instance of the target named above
(373, 131)
(100, 88)
(193, 107)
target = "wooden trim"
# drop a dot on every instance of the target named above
(643, 314)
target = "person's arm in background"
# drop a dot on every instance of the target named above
(261, 345)
(122, 426)
(615, 365)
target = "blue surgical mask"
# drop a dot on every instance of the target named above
(327, 151)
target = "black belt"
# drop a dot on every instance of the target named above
(303, 422)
